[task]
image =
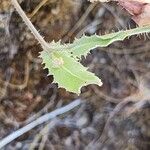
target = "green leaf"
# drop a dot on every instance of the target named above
(61, 59)
(83, 45)
(67, 72)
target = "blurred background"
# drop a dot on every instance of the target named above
(112, 117)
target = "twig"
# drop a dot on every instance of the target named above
(39, 121)
(43, 2)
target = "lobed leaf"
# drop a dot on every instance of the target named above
(83, 45)
(67, 72)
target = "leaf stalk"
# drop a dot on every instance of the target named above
(36, 34)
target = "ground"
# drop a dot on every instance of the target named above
(114, 116)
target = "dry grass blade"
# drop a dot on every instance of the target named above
(39, 121)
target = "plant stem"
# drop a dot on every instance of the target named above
(37, 8)
(40, 39)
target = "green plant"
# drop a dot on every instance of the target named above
(62, 60)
